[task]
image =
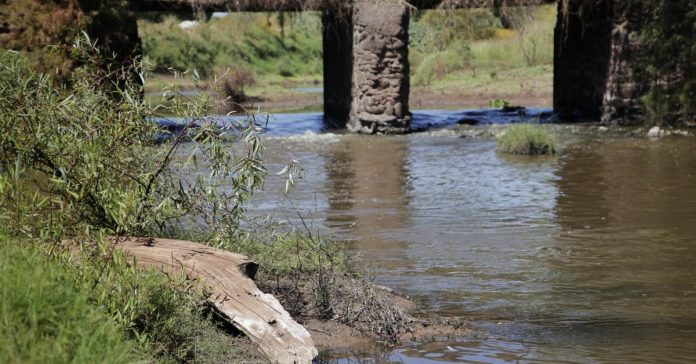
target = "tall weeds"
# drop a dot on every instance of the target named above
(84, 157)
(79, 161)
(447, 44)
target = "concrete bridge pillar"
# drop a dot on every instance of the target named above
(337, 34)
(626, 82)
(597, 57)
(380, 74)
(581, 58)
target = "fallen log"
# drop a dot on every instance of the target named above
(234, 294)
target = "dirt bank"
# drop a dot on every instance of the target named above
(420, 99)
(335, 339)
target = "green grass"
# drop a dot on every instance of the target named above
(461, 49)
(527, 139)
(497, 60)
(283, 254)
(46, 318)
(252, 41)
(51, 312)
(510, 81)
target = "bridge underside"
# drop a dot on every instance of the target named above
(314, 5)
(366, 69)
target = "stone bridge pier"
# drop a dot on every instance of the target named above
(337, 39)
(366, 69)
(597, 56)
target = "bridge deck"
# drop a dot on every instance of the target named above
(309, 5)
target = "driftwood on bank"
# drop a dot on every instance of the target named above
(234, 294)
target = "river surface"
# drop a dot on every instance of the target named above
(586, 257)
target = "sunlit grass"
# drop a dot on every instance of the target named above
(502, 60)
(527, 139)
(253, 41)
(46, 318)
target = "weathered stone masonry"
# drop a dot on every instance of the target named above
(597, 61)
(380, 68)
(626, 83)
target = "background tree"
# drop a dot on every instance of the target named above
(37, 26)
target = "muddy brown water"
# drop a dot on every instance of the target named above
(586, 257)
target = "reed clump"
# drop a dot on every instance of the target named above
(527, 139)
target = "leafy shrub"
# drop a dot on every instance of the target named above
(670, 49)
(33, 25)
(70, 147)
(527, 139)
(78, 161)
(235, 81)
(87, 156)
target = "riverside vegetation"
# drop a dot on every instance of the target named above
(669, 62)
(475, 55)
(79, 163)
(494, 53)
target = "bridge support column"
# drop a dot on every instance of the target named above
(380, 78)
(582, 51)
(337, 34)
(626, 83)
(596, 60)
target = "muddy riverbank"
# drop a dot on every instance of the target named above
(299, 98)
(421, 98)
(336, 340)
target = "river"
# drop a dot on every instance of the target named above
(585, 257)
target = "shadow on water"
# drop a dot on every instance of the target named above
(425, 120)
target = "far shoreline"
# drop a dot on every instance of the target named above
(292, 102)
